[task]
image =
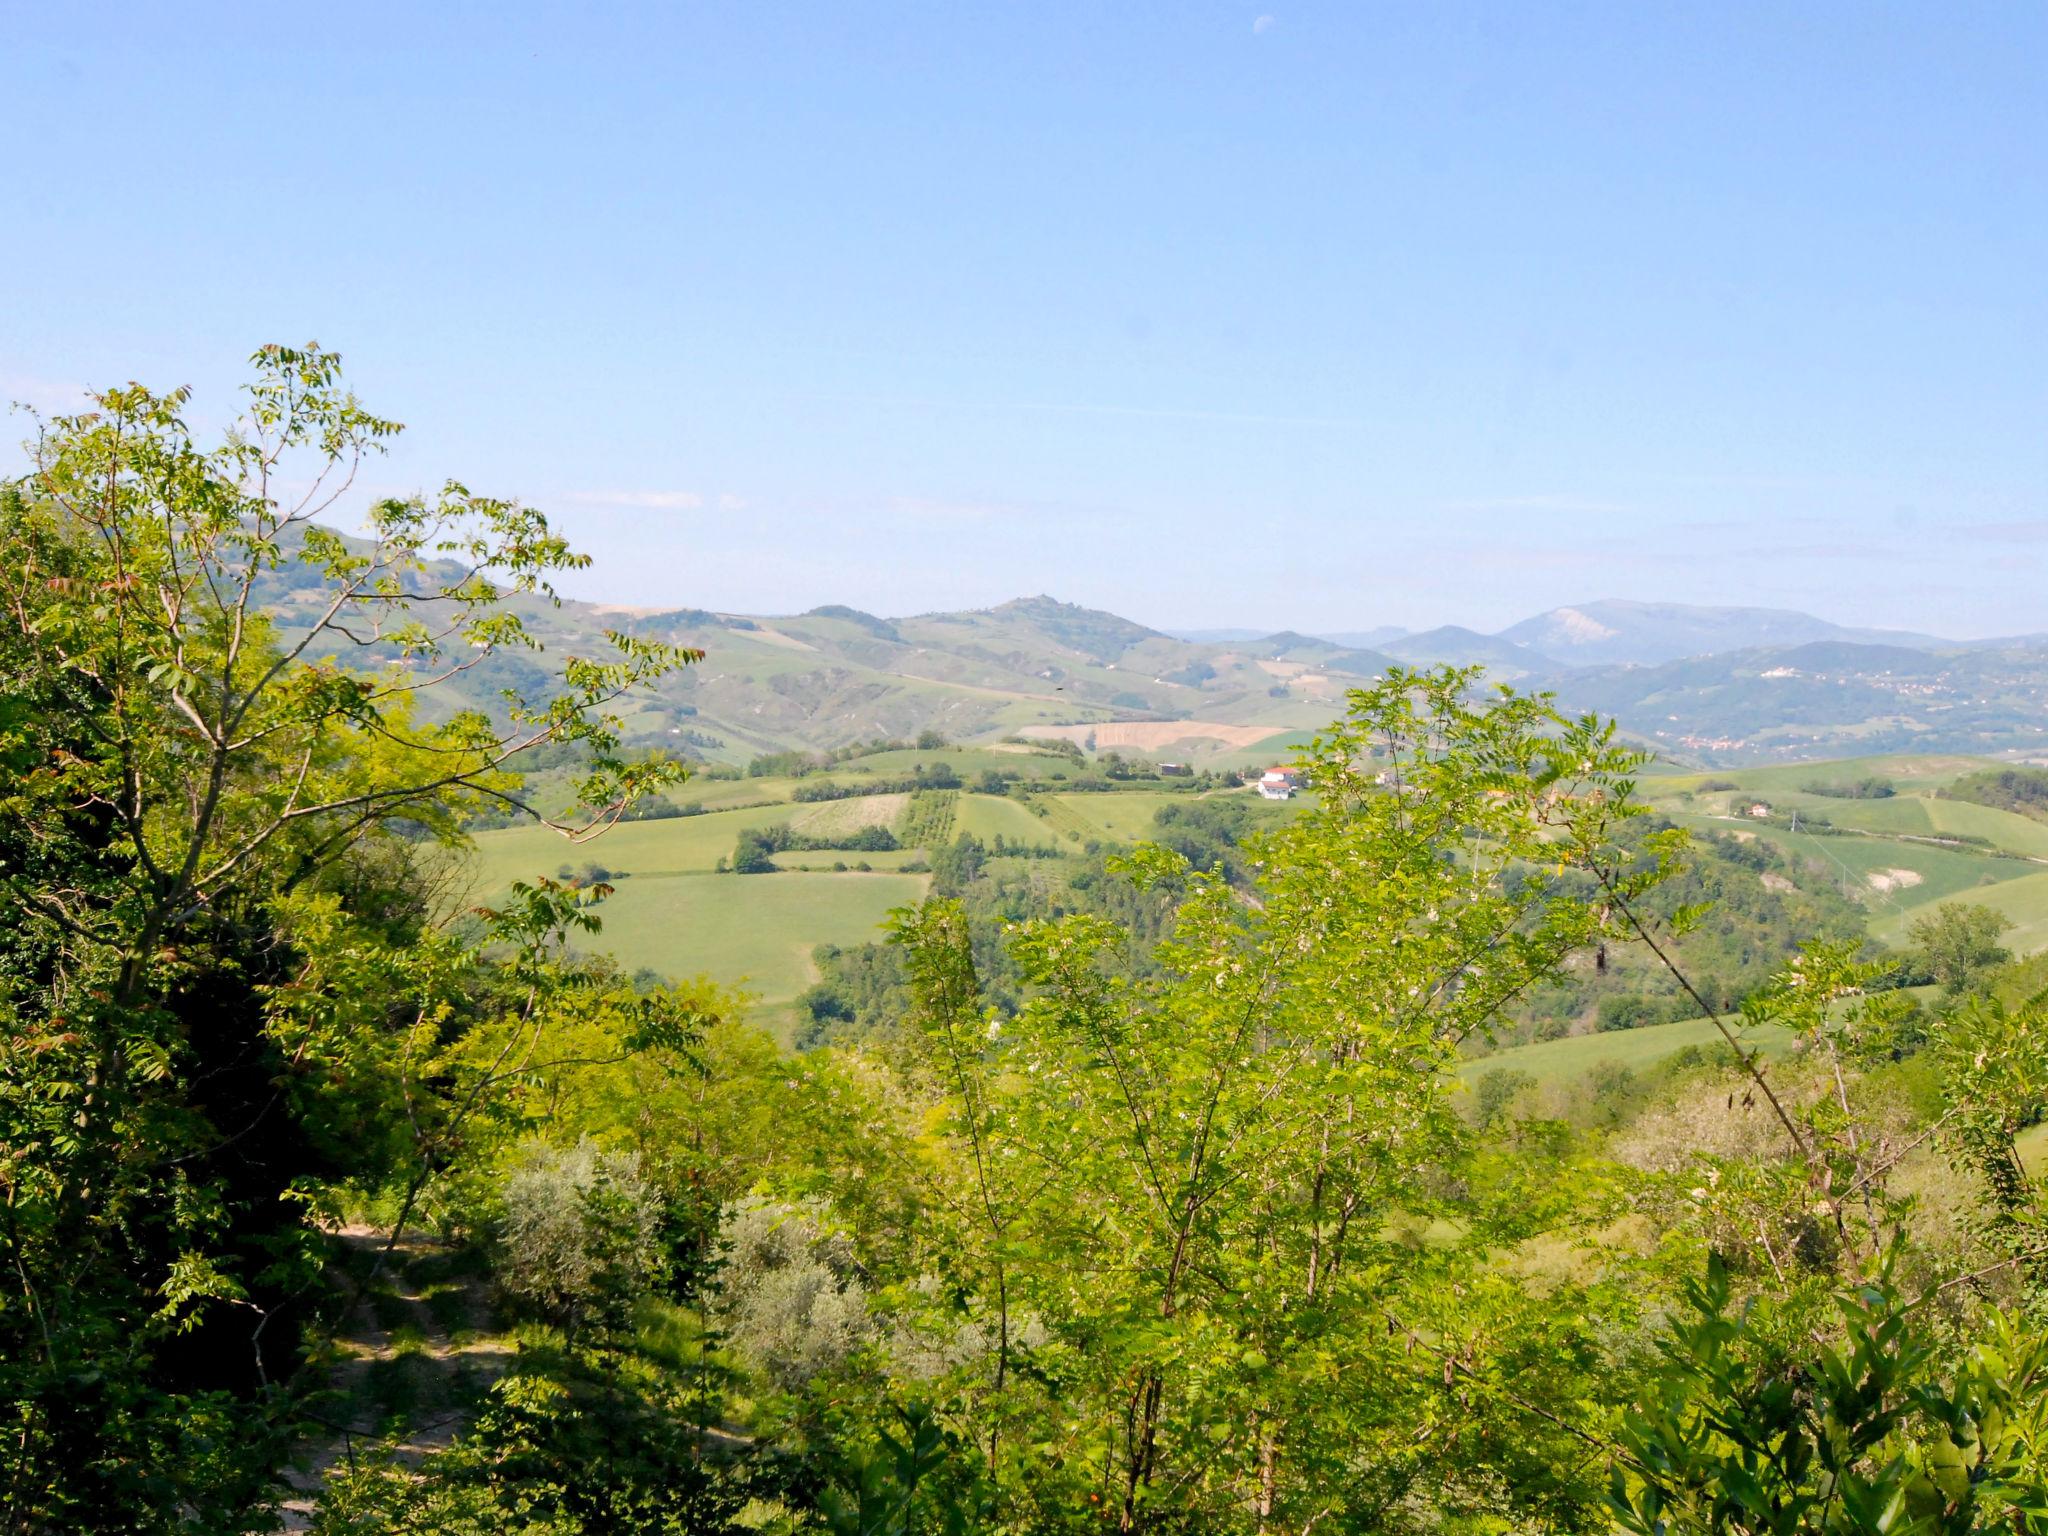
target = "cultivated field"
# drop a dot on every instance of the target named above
(1273, 747)
(2023, 901)
(1150, 735)
(755, 932)
(680, 845)
(986, 816)
(1111, 818)
(1566, 1060)
(836, 818)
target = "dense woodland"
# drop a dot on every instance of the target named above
(1173, 1201)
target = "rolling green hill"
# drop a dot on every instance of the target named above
(1802, 689)
(1897, 856)
(1555, 1061)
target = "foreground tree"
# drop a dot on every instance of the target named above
(1218, 1222)
(215, 716)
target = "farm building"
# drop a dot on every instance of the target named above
(1278, 784)
(1175, 771)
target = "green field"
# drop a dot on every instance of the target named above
(755, 932)
(1111, 818)
(988, 815)
(1943, 873)
(968, 761)
(1914, 814)
(668, 911)
(829, 818)
(827, 858)
(679, 845)
(2024, 902)
(1567, 1060)
(1281, 747)
(722, 794)
(1905, 770)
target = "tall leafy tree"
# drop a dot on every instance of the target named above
(1218, 1212)
(216, 707)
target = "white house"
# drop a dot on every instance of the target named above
(1278, 784)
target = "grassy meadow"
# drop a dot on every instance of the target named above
(1566, 1060)
(670, 912)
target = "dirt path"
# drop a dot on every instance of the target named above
(412, 1362)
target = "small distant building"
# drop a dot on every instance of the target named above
(1760, 810)
(1278, 784)
(1175, 771)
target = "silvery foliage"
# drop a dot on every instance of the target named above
(791, 1300)
(579, 1229)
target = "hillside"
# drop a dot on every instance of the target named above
(1816, 863)
(1454, 645)
(1644, 634)
(1825, 698)
(837, 675)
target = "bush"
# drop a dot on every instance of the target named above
(1628, 1012)
(753, 855)
(790, 1302)
(1870, 787)
(1496, 1091)
(578, 1237)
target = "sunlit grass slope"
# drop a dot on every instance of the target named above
(1572, 1058)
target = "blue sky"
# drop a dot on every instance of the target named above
(1212, 314)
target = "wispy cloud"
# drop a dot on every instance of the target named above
(727, 502)
(1841, 551)
(1548, 503)
(2030, 531)
(651, 501)
(42, 394)
(1262, 25)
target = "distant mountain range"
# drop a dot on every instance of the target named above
(1611, 632)
(1705, 686)
(1646, 634)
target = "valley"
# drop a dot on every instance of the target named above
(1040, 816)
